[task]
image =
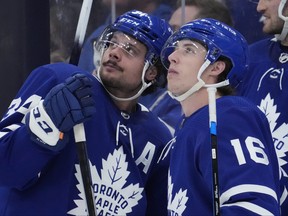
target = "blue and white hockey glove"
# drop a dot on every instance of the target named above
(66, 105)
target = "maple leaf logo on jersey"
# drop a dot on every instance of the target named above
(280, 134)
(111, 197)
(178, 205)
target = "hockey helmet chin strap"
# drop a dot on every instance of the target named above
(284, 32)
(141, 90)
(199, 84)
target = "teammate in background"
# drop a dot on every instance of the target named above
(39, 167)
(205, 54)
(160, 103)
(153, 7)
(266, 82)
(246, 19)
(200, 9)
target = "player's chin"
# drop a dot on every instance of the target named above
(271, 30)
(267, 28)
(174, 89)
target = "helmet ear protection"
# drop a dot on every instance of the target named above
(219, 39)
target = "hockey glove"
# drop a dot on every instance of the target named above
(66, 105)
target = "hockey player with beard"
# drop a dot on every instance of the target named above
(265, 83)
(39, 168)
(223, 161)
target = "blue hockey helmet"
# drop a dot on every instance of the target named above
(219, 39)
(148, 29)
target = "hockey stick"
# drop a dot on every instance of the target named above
(80, 140)
(183, 2)
(213, 133)
(113, 11)
(80, 31)
(79, 131)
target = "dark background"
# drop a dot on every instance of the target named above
(25, 37)
(24, 43)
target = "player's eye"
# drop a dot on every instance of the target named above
(190, 50)
(129, 49)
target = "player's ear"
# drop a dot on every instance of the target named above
(218, 67)
(151, 73)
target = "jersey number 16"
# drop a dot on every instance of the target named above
(255, 148)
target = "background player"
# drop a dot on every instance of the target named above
(265, 84)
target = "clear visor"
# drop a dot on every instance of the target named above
(183, 48)
(119, 41)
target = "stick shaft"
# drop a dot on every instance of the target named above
(85, 172)
(79, 131)
(213, 134)
(80, 139)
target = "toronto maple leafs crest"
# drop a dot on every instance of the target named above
(280, 136)
(111, 195)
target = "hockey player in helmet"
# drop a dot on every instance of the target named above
(204, 55)
(265, 84)
(130, 32)
(39, 167)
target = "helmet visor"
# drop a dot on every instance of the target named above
(183, 48)
(127, 45)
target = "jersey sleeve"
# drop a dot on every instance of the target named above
(248, 167)
(21, 160)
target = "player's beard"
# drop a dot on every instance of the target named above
(109, 79)
(114, 85)
(273, 27)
